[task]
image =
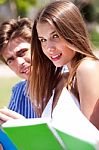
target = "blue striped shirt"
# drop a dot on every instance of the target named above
(20, 101)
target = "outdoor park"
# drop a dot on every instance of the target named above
(7, 80)
(89, 8)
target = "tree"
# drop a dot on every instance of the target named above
(22, 6)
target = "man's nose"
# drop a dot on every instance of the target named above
(20, 60)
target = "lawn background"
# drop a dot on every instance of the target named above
(6, 85)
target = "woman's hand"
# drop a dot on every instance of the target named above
(7, 114)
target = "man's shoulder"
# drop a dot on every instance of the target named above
(20, 84)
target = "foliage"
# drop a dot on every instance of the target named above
(96, 3)
(2, 2)
(21, 5)
(89, 12)
(89, 9)
(95, 37)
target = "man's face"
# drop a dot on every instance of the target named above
(18, 57)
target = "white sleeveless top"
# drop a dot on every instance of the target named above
(48, 109)
(67, 96)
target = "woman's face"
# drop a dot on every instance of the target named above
(54, 46)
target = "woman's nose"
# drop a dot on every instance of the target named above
(50, 47)
(51, 50)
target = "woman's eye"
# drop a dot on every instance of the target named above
(55, 36)
(42, 40)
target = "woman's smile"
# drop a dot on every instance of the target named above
(56, 57)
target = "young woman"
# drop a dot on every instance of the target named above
(59, 38)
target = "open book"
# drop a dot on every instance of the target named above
(42, 134)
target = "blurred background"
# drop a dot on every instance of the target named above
(29, 8)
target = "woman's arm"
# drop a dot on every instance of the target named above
(88, 88)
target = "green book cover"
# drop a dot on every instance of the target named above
(74, 143)
(36, 134)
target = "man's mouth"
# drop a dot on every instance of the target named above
(25, 70)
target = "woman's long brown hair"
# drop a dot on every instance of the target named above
(67, 20)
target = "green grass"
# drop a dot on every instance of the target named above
(6, 85)
(95, 38)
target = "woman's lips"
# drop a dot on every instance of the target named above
(56, 57)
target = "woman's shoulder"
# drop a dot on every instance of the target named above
(88, 64)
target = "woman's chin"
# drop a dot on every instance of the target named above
(58, 65)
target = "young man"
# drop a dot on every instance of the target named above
(15, 38)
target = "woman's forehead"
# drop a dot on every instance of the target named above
(45, 28)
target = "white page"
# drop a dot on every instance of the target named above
(68, 118)
(25, 122)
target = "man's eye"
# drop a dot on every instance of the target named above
(10, 61)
